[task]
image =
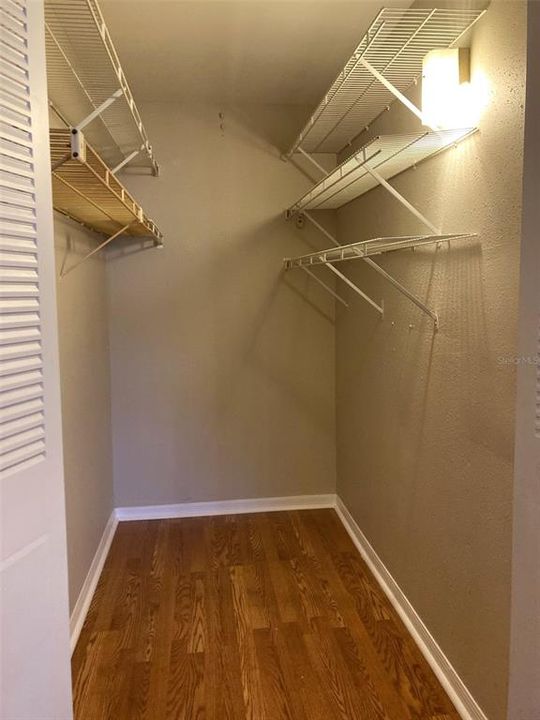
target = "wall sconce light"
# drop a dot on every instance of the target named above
(447, 100)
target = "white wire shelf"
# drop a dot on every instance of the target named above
(83, 72)
(365, 248)
(394, 45)
(389, 155)
(85, 190)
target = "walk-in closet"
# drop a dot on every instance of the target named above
(269, 351)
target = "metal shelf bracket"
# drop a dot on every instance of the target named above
(326, 287)
(127, 159)
(320, 228)
(100, 109)
(324, 231)
(388, 85)
(339, 274)
(329, 235)
(312, 161)
(401, 288)
(95, 250)
(76, 133)
(432, 314)
(410, 207)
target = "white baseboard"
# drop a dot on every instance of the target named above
(455, 688)
(458, 693)
(225, 507)
(89, 586)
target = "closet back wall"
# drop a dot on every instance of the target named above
(425, 420)
(222, 374)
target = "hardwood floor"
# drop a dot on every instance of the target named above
(248, 617)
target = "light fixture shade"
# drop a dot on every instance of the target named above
(445, 88)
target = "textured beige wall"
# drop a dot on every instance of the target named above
(524, 695)
(85, 384)
(222, 373)
(425, 421)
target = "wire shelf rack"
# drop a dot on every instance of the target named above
(83, 72)
(365, 248)
(85, 190)
(394, 45)
(388, 154)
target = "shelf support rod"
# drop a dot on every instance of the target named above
(312, 161)
(325, 286)
(379, 308)
(320, 228)
(58, 163)
(388, 85)
(125, 161)
(432, 314)
(401, 199)
(392, 190)
(100, 108)
(309, 272)
(96, 249)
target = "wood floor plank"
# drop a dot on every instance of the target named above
(186, 689)
(261, 600)
(270, 616)
(255, 538)
(288, 602)
(361, 678)
(308, 590)
(249, 669)
(84, 669)
(137, 705)
(277, 700)
(407, 670)
(345, 596)
(197, 629)
(165, 588)
(300, 675)
(333, 675)
(224, 698)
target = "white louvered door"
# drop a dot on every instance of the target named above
(34, 634)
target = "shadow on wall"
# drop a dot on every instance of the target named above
(463, 277)
(470, 274)
(252, 341)
(76, 244)
(270, 123)
(78, 249)
(298, 282)
(452, 283)
(126, 246)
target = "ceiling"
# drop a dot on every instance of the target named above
(283, 52)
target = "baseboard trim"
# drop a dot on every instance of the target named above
(455, 688)
(88, 589)
(457, 691)
(225, 507)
